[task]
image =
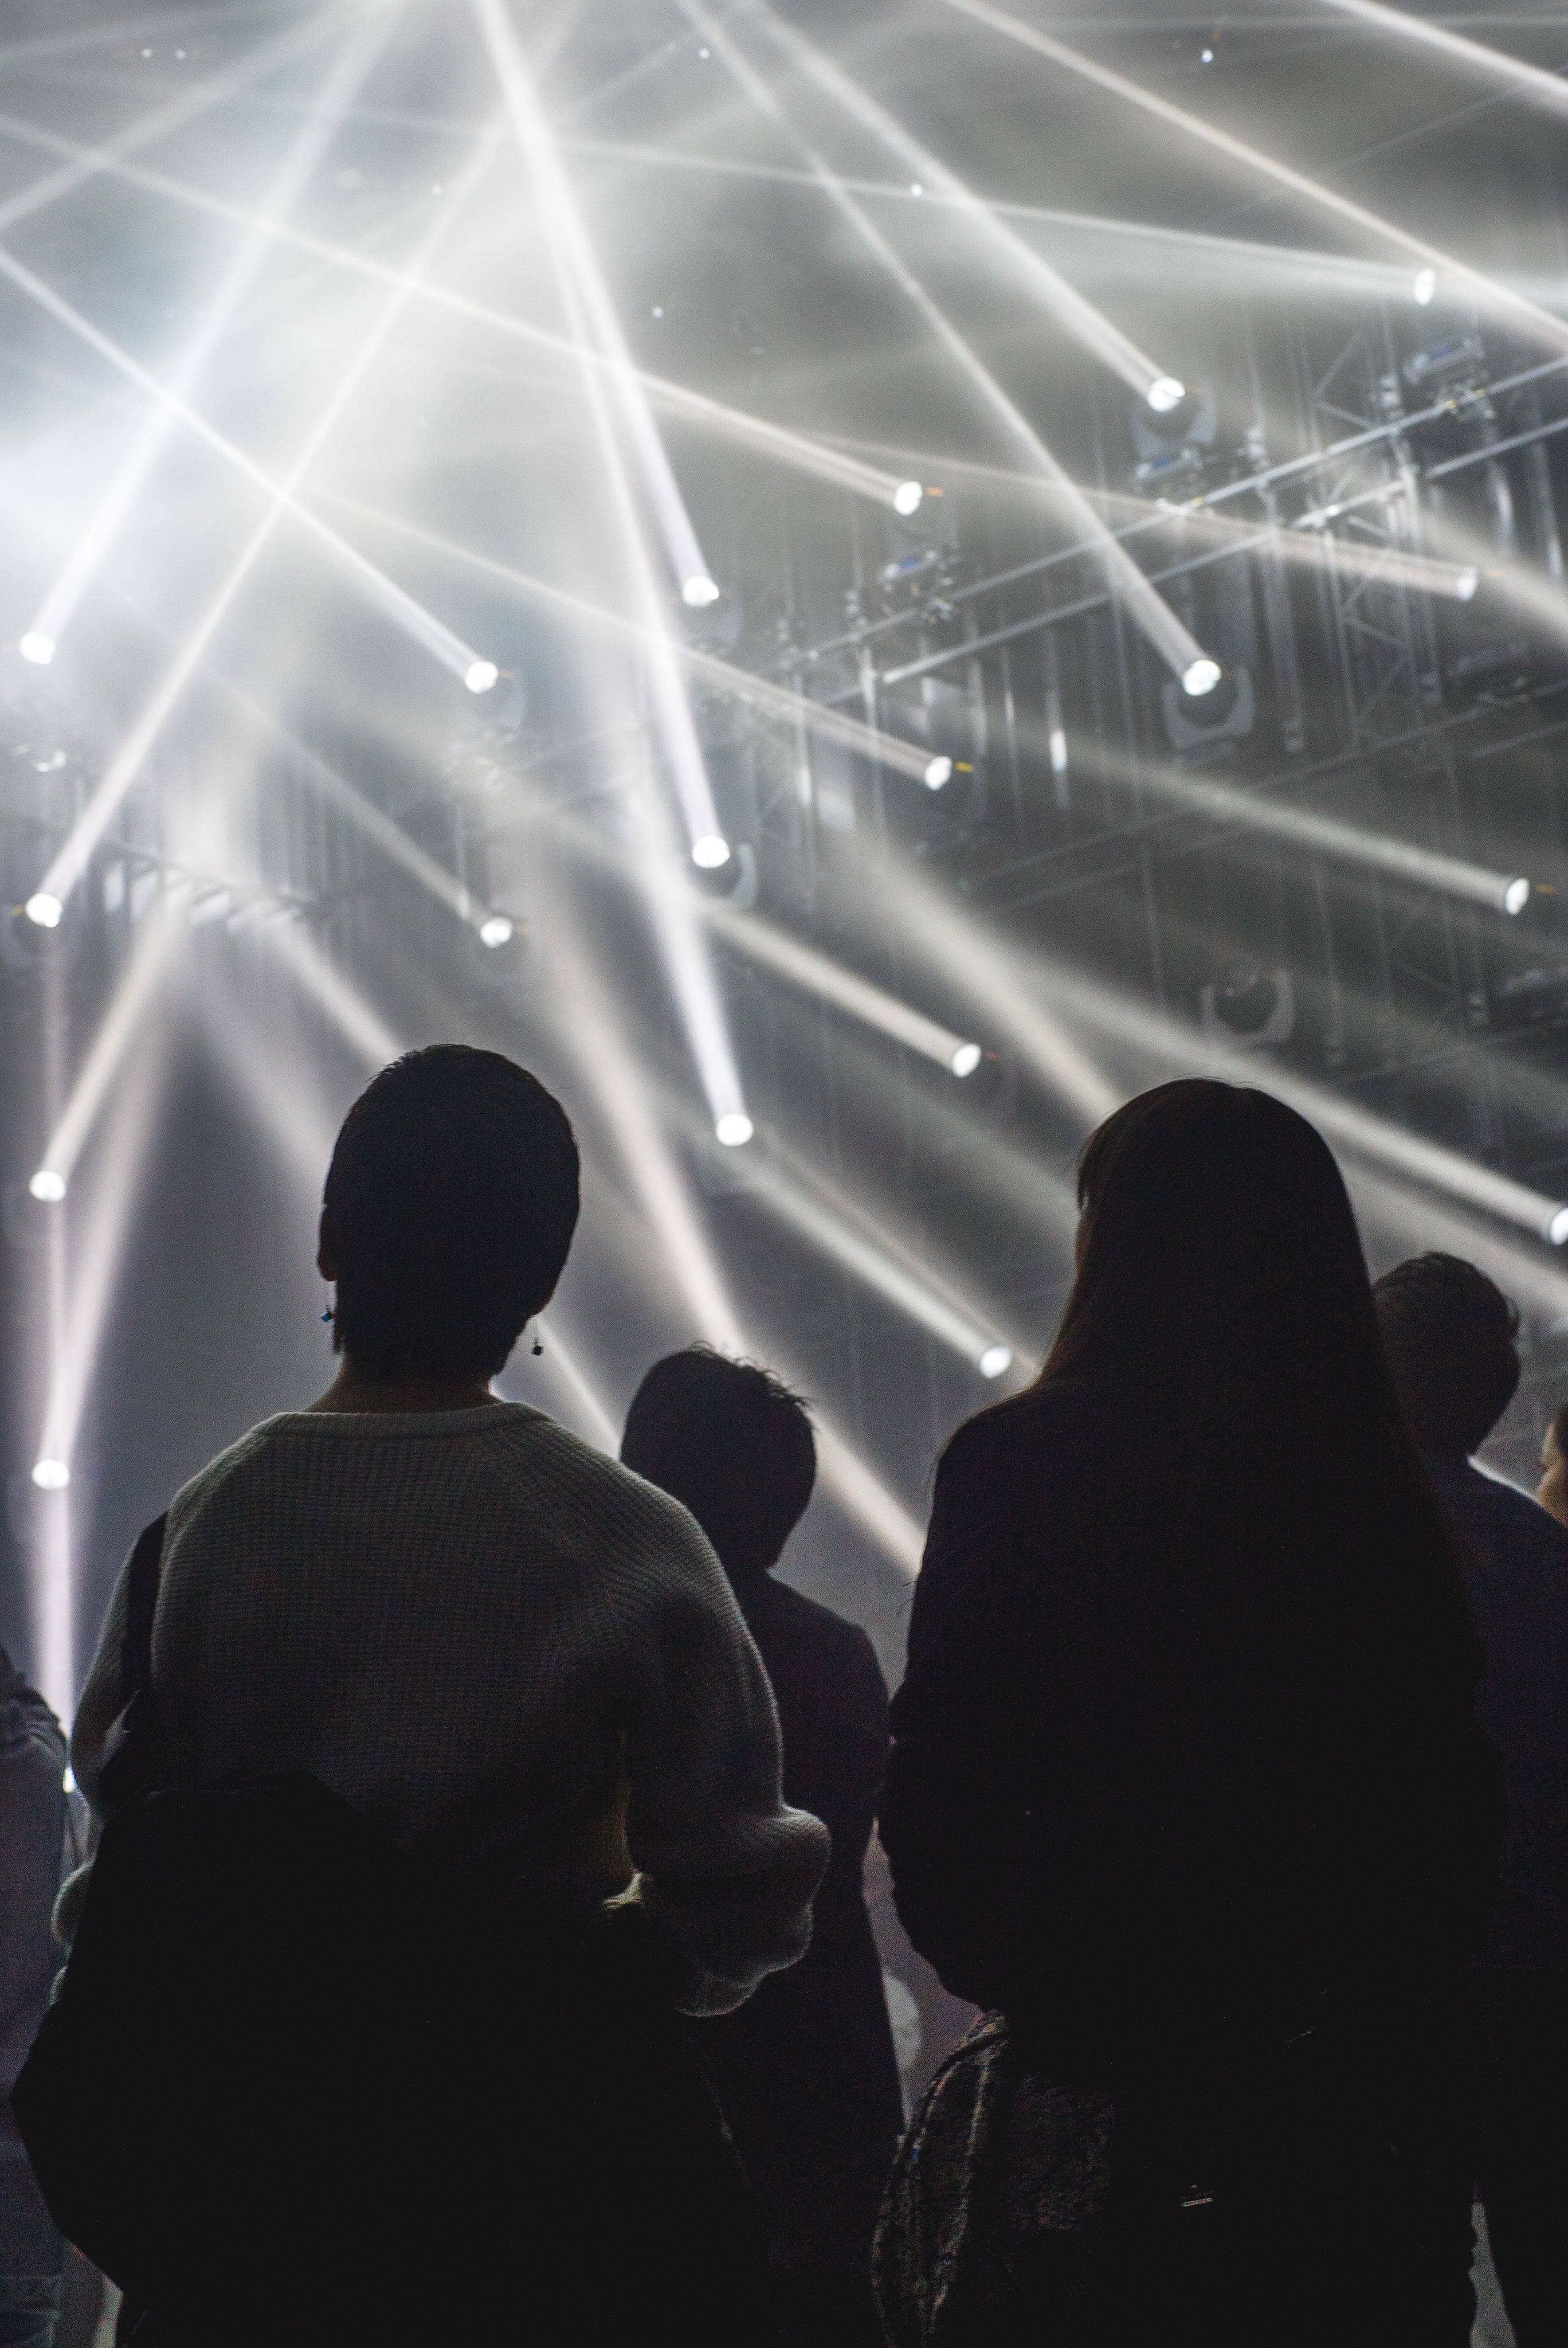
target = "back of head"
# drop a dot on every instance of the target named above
(449, 1208)
(1450, 1336)
(732, 1444)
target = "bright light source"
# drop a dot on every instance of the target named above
(480, 675)
(966, 1059)
(1516, 896)
(906, 498)
(1466, 584)
(51, 1475)
(938, 772)
(1058, 751)
(1425, 286)
(994, 1360)
(1201, 677)
(45, 910)
(1166, 391)
(495, 932)
(37, 648)
(699, 591)
(1557, 1228)
(48, 1186)
(735, 1130)
(711, 851)
(68, 1781)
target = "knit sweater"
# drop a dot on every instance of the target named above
(462, 1620)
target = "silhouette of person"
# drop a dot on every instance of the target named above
(806, 2071)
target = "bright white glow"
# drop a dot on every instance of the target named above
(735, 1129)
(495, 932)
(1201, 676)
(37, 648)
(70, 1780)
(906, 498)
(1467, 582)
(711, 852)
(45, 909)
(938, 772)
(51, 1475)
(966, 1059)
(480, 675)
(699, 591)
(1557, 1228)
(1058, 751)
(1425, 286)
(1166, 391)
(1516, 896)
(817, 973)
(994, 1360)
(48, 1186)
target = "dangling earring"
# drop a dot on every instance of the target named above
(538, 1349)
(331, 1313)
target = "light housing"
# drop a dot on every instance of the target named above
(966, 1059)
(994, 1360)
(497, 931)
(480, 675)
(1557, 1228)
(44, 909)
(1201, 676)
(51, 1475)
(711, 851)
(1166, 391)
(906, 499)
(37, 648)
(47, 1186)
(938, 770)
(735, 1129)
(1516, 896)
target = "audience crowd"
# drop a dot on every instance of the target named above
(467, 1939)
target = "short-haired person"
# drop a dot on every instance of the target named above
(1552, 1489)
(480, 1633)
(1449, 1334)
(806, 2071)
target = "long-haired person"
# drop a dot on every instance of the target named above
(1184, 1790)
(435, 1682)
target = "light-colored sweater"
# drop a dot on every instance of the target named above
(454, 1618)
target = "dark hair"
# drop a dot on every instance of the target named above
(730, 1442)
(449, 1208)
(1222, 1304)
(1450, 1334)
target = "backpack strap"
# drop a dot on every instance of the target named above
(130, 1749)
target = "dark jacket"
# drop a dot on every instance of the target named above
(1515, 1563)
(32, 1835)
(805, 2069)
(1148, 1793)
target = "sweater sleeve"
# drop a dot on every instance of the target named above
(728, 1870)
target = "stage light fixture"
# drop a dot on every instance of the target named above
(51, 1475)
(1516, 896)
(480, 675)
(1557, 1228)
(938, 772)
(735, 1130)
(1425, 286)
(966, 1059)
(1166, 391)
(710, 852)
(1201, 676)
(698, 591)
(906, 498)
(37, 648)
(47, 1186)
(495, 932)
(44, 909)
(1467, 584)
(994, 1360)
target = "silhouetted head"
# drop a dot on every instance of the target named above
(1450, 1335)
(449, 1208)
(732, 1444)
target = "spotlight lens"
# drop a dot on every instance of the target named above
(36, 648)
(939, 771)
(495, 932)
(45, 910)
(1467, 582)
(1516, 896)
(1166, 391)
(906, 498)
(699, 591)
(480, 675)
(711, 851)
(967, 1059)
(735, 1130)
(1201, 677)
(995, 1360)
(1425, 286)
(48, 1186)
(51, 1475)
(1557, 1228)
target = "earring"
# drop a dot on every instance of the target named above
(538, 1349)
(331, 1312)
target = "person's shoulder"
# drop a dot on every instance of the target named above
(221, 1473)
(803, 1619)
(1513, 1524)
(1044, 1430)
(599, 1498)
